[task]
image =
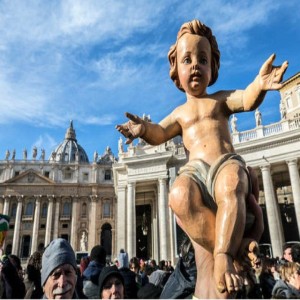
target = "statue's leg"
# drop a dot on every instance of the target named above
(196, 219)
(231, 189)
(198, 222)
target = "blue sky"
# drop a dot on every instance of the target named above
(91, 61)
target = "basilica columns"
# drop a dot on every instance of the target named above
(56, 219)
(16, 238)
(49, 220)
(274, 219)
(295, 183)
(92, 223)
(131, 220)
(35, 230)
(75, 210)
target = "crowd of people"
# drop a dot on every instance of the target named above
(55, 274)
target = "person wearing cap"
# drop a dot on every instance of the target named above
(111, 283)
(58, 276)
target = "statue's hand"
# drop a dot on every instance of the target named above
(133, 128)
(270, 76)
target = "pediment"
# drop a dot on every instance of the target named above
(30, 177)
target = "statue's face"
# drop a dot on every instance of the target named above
(194, 63)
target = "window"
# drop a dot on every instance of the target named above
(68, 174)
(44, 210)
(85, 176)
(43, 226)
(29, 209)
(47, 174)
(13, 210)
(65, 225)
(83, 211)
(17, 173)
(107, 175)
(288, 101)
(67, 209)
(106, 210)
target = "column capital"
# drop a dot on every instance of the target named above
(131, 183)
(94, 198)
(162, 178)
(291, 161)
(50, 198)
(20, 198)
(265, 167)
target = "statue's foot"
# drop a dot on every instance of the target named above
(225, 275)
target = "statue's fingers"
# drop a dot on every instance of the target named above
(132, 117)
(268, 63)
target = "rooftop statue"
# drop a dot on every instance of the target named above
(214, 195)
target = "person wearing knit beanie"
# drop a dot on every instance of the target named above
(58, 275)
(111, 283)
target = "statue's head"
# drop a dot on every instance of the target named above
(198, 28)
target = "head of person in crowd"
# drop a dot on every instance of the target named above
(84, 262)
(111, 283)
(98, 254)
(287, 253)
(134, 265)
(290, 273)
(296, 253)
(153, 263)
(162, 265)
(15, 260)
(142, 264)
(123, 259)
(58, 276)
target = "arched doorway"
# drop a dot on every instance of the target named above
(106, 238)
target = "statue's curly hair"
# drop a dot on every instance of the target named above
(198, 28)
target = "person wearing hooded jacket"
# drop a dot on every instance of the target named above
(92, 272)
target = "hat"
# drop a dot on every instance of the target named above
(109, 271)
(98, 254)
(57, 253)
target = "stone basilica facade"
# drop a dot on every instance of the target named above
(123, 202)
(63, 196)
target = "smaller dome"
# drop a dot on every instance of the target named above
(69, 151)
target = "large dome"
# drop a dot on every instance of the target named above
(69, 151)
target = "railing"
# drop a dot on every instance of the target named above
(264, 131)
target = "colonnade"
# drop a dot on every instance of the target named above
(126, 221)
(272, 207)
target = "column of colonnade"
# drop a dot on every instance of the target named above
(6, 206)
(162, 218)
(121, 219)
(295, 183)
(131, 220)
(1, 204)
(273, 213)
(35, 229)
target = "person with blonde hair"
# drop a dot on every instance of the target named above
(288, 287)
